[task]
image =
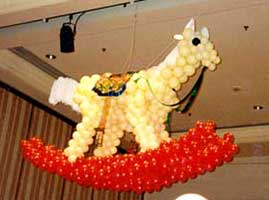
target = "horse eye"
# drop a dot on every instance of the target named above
(196, 41)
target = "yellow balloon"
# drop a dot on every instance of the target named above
(181, 61)
(213, 57)
(85, 148)
(68, 151)
(89, 141)
(139, 98)
(95, 77)
(116, 142)
(143, 119)
(108, 143)
(194, 49)
(206, 63)
(189, 70)
(191, 59)
(165, 136)
(183, 79)
(85, 80)
(182, 43)
(131, 87)
(173, 82)
(212, 67)
(166, 72)
(86, 120)
(178, 71)
(81, 89)
(119, 133)
(106, 151)
(150, 129)
(209, 46)
(77, 98)
(76, 135)
(178, 86)
(204, 40)
(214, 53)
(184, 51)
(114, 129)
(113, 136)
(85, 107)
(78, 150)
(85, 135)
(217, 60)
(187, 33)
(205, 55)
(97, 152)
(199, 56)
(201, 48)
(71, 142)
(113, 150)
(72, 158)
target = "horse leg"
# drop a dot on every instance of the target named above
(138, 118)
(82, 137)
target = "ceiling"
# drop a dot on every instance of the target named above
(238, 28)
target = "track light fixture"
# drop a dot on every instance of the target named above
(67, 34)
(67, 38)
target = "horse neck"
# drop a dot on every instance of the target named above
(170, 62)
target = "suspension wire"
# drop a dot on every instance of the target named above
(168, 47)
(129, 59)
(76, 22)
(134, 39)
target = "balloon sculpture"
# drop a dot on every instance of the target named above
(138, 103)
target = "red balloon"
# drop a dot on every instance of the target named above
(193, 154)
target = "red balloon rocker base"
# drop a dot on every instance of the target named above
(193, 154)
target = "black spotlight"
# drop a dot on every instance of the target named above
(67, 37)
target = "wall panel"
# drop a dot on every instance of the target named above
(14, 124)
(22, 119)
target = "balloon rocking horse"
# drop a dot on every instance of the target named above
(138, 103)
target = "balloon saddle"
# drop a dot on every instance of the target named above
(138, 103)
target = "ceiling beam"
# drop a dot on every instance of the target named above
(104, 20)
(31, 81)
(243, 135)
(13, 14)
(11, 6)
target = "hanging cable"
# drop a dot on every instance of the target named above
(76, 22)
(190, 96)
(161, 54)
(129, 59)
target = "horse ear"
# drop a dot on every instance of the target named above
(205, 32)
(191, 24)
(178, 37)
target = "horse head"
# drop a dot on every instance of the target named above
(195, 48)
